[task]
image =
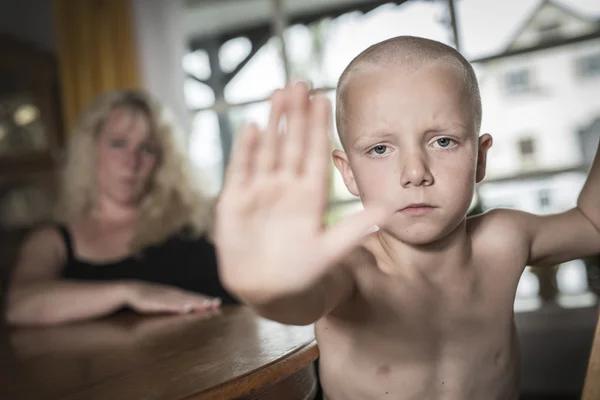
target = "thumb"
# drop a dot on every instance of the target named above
(351, 231)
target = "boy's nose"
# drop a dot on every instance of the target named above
(415, 172)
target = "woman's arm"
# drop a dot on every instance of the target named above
(38, 297)
(55, 301)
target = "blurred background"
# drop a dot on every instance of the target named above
(215, 63)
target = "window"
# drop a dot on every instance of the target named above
(518, 81)
(232, 72)
(526, 147)
(549, 30)
(573, 286)
(588, 66)
(527, 153)
(544, 198)
(588, 141)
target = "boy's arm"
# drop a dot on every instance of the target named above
(573, 234)
(308, 305)
(274, 251)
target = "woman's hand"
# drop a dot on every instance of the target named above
(151, 298)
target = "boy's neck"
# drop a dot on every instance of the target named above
(437, 260)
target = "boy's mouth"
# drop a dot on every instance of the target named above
(417, 209)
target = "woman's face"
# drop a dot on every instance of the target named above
(127, 157)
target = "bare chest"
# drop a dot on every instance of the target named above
(425, 317)
(454, 342)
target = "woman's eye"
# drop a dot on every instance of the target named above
(147, 148)
(379, 149)
(117, 143)
(444, 142)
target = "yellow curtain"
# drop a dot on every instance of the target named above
(96, 51)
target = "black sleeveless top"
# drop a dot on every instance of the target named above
(189, 263)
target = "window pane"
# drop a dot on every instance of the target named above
(197, 64)
(257, 113)
(529, 285)
(260, 77)
(320, 52)
(571, 277)
(338, 212)
(205, 150)
(589, 65)
(518, 81)
(197, 94)
(233, 52)
(528, 289)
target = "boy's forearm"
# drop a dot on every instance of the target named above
(589, 199)
(55, 302)
(295, 309)
(301, 308)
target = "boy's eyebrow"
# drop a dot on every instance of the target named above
(448, 128)
(457, 128)
(368, 137)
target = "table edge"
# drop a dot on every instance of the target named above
(269, 375)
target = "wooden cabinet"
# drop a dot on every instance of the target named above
(31, 140)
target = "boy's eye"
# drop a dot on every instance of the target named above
(444, 142)
(379, 149)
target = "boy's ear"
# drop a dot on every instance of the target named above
(340, 159)
(485, 142)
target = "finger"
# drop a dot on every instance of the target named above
(319, 143)
(352, 231)
(296, 126)
(215, 304)
(181, 302)
(206, 314)
(267, 158)
(202, 302)
(241, 162)
(165, 307)
(190, 307)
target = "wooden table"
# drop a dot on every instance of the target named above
(233, 355)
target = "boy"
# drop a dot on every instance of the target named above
(421, 308)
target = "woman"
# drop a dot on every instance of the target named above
(133, 225)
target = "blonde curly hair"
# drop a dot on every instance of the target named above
(174, 200)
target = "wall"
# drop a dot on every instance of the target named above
(161, 45)
(30, 20)
(160, 40)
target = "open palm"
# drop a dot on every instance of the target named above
(269, 228)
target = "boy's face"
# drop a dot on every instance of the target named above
(411, 143)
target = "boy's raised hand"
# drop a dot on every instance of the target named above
(270, 234)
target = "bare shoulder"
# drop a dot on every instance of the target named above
(46, 237)
(496, 221)
(42, 253)
(498, 234)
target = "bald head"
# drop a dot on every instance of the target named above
(410, 53)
